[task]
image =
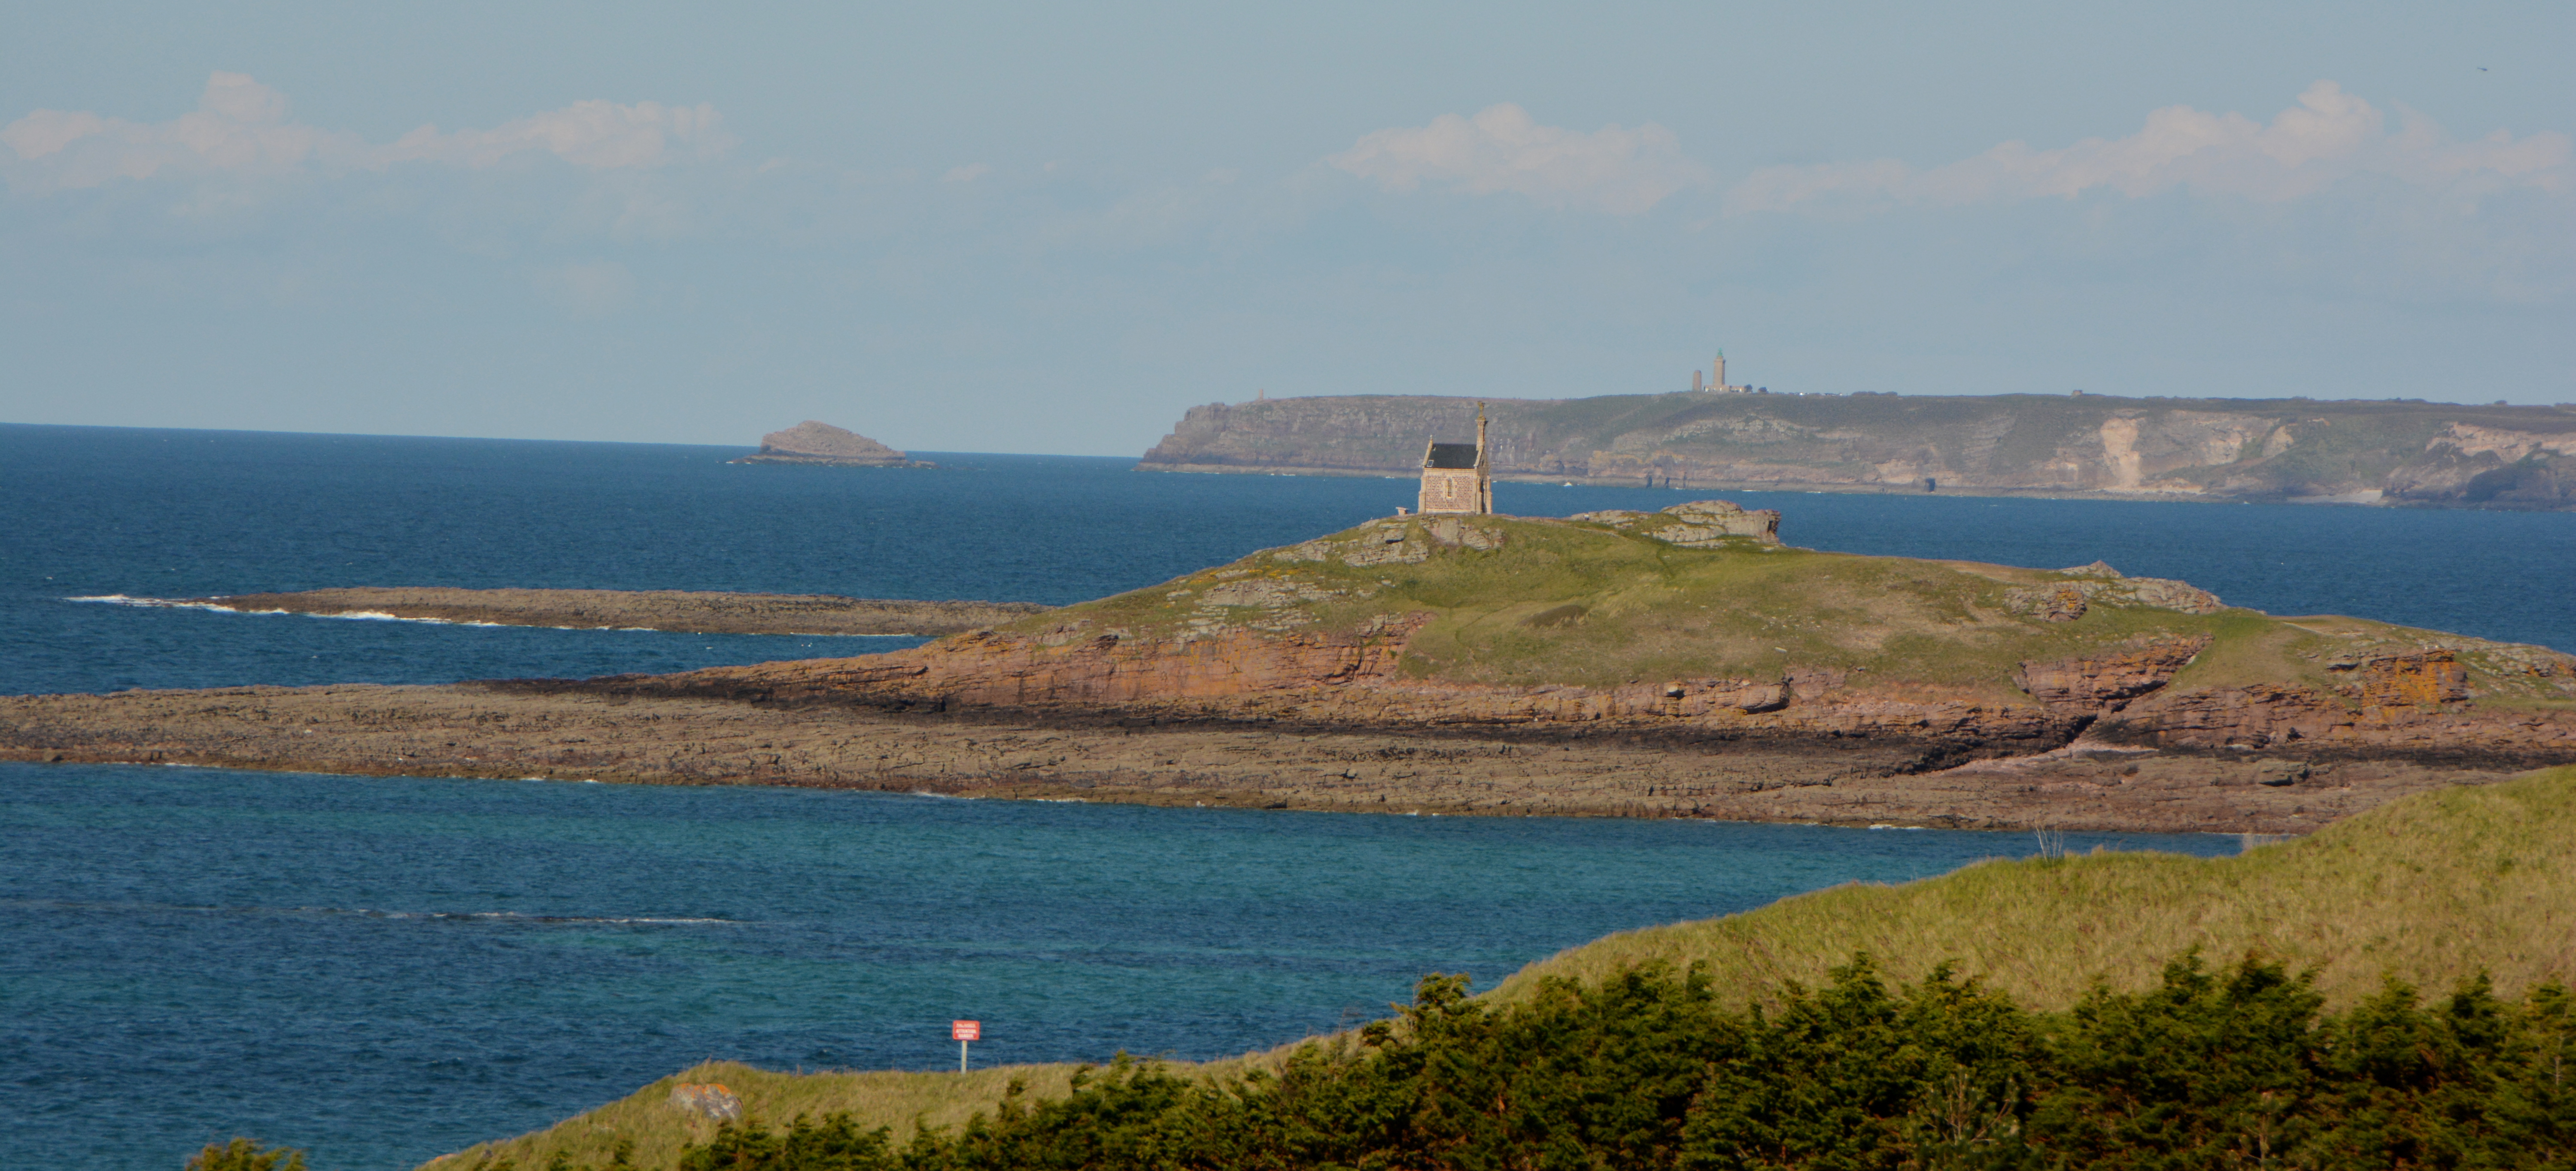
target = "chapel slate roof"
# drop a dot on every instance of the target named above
(1461, 456)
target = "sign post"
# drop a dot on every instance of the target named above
(963, 1032)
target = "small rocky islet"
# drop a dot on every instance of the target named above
(1673, 663)
(812, 442)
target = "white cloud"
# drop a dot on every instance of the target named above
(966, 174)
(594, 134)
(240, 128)
(1502, 148)
(2330, 136)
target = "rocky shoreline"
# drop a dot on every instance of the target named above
(684, 611)
(524, 731)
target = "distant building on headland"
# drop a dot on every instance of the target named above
(1456, 477)
(1716, 380)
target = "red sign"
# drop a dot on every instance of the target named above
(965, 1030)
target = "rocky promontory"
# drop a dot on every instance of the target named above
(687, 611)
(2402, 452)
(1666, 627)
(1673, 663)
(811, 442)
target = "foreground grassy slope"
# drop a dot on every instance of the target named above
(1583, 604)
(659, 1129)
(2432, 889)
(2428, 889)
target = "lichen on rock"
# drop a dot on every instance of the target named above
(2099, 584)
(2419, 679)
(1404, 541)
(1696, 524)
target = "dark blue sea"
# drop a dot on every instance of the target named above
(384, 969)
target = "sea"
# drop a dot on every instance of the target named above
(382, 969)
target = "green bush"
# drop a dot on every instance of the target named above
(243, 1154)
(2231, 1068)
(2237, 1067)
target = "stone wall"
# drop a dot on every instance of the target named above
(1447, 490)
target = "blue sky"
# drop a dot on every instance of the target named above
(1051, 229)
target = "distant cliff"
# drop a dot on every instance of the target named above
(2368, 452)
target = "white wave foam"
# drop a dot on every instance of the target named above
(373, 913)
(511, 916)
(220, 608)
(381, 616)
(163, 604)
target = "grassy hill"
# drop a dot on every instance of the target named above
(1522, 602)
(2433, 889)
(2427, 889)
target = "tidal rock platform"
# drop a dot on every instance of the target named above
(544, 731)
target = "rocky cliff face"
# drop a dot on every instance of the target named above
(2356, 452)
(2417, 707)
(811, 442)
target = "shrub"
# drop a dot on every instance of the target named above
(243, 1154)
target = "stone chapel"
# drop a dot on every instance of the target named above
(1456, 476)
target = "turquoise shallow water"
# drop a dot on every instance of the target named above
(384, 969)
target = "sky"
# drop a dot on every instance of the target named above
(1053, 228)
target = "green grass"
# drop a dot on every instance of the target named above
(659, 1128)
(2430, 889)
(1577, 604)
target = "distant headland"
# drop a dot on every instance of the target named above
(811, 442)
(2402, 452)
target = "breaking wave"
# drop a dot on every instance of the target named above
(374, 913)
(355, 615)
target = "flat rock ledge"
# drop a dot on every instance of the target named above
(518, 732)
(684, 611)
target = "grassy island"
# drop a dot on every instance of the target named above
(1609, 600)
